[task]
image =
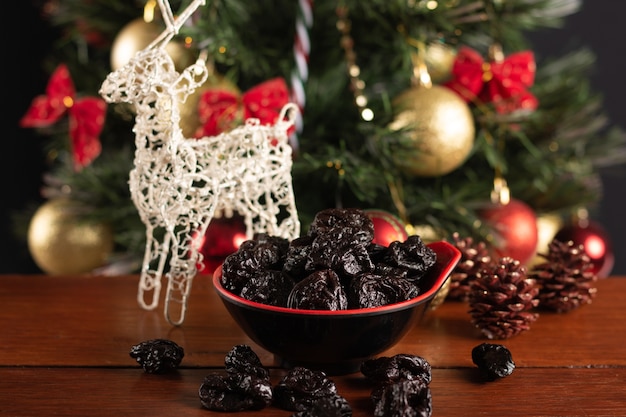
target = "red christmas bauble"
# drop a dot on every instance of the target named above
(387, 227)
(514, 228)
(595, 242)
(223, 237)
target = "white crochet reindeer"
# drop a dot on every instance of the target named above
(178, 183)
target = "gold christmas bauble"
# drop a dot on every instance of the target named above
(439, 131)
(138, 34)
(439, 59)
(61, 243)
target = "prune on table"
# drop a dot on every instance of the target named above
(413, 255)
(328, 406)
(494, 360)
(235, 392)
(246, 385)
(402, 366)
(301, 387)
(157, 356)
(321, 290)
(354, 222)
(242, 359)
(404, 398)
(371, 290)
(268, 287)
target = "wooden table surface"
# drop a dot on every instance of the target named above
(65, 345)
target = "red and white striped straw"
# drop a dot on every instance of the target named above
(301, 49)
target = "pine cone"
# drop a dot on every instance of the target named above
(565, 280)
(501, 299)
(474, 258)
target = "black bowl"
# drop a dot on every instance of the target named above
(336, 342)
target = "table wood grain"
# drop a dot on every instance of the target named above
(65, 341)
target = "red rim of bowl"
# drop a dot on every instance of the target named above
(447, 258)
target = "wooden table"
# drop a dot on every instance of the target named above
(65, 344)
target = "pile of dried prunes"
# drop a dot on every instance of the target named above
(401, 387)
(246, 386)
(335, 266)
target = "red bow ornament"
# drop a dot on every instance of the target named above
(220, 110)
(502, 81)
(86, 116)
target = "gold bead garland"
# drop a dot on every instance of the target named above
(344, 25)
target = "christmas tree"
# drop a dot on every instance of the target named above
(433, 111)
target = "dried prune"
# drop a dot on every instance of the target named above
(385, 269)
(329, 406)
(246, 386)
(403, 398)
(235, 392)
(336, 250)
(296, 259)
(238, 267)
(300, 387)
(242, 359)
(157, 356)
(268, 287)
(354, 222)
(263, 252)
(377, 252)
(371, 290)
(270, 250)
(402, 366)
(494, 361)
(355, 261)
(321, 290)
(412, 254)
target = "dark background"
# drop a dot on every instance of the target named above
(599, 27)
